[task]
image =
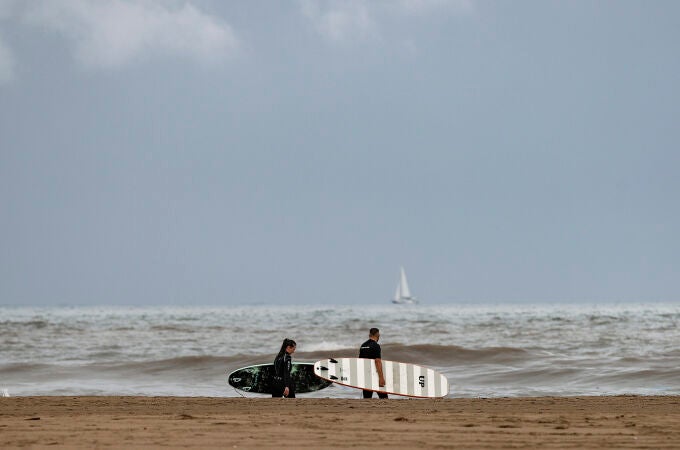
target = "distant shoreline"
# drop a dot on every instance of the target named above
(467, 303)
(202, 422)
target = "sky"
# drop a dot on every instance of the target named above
(264, 152)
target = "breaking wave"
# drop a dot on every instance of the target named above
(483, 351)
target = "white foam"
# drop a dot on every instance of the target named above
(322, 346)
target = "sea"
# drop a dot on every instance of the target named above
(485, 350)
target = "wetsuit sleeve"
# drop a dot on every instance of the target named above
(287, 379)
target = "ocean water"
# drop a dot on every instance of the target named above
(484, 350)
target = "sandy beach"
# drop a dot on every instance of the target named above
(150, 422)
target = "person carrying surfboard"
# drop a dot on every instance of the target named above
(371, 350)
(283, 385)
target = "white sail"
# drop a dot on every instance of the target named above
(402, 294)
(405, 292)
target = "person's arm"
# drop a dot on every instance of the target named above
(287, 379)
(378, 367)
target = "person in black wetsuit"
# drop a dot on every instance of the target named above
(371, 350)
(283, 384)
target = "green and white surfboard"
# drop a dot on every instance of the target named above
(258, 379)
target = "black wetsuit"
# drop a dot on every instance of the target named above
(282, 379)
(371, 350)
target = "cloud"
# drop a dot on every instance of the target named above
(6, 63)
(355, 20)
(339, 20)
(6, 8)
(6, 55)
(410, 7)
(114, 33)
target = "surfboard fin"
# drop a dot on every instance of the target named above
(333, 377)
(323, 368)
(333, 361)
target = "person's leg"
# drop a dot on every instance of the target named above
(368, 394)
(277, 390)
(382, 395)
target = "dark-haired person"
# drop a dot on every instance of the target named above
(283, 385)
(371, 350)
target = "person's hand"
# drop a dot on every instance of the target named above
(381, 382)
(286, 392)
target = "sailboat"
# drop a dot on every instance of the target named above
(403, 295)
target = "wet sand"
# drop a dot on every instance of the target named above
(150, 422)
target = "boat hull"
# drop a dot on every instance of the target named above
(410, 301)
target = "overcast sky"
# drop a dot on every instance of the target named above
(210, 152)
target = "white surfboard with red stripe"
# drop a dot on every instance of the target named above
(410, 380)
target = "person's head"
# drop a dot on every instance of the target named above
(374, 334)
(288, 346)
